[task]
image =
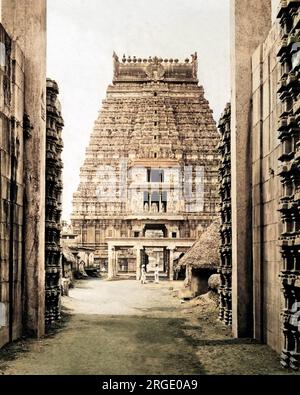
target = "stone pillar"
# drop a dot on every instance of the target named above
(171, 264)
(138, 263)
(250, 24)
(117, 252)
(25, 21)
(111, 262)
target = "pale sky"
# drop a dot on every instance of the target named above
(82, 35)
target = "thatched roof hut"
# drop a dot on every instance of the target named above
(68, 255)
(204, 254)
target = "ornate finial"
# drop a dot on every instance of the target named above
(155, 60)
(124, 59)
(194, 56)
(115, 57)
(195, 64)
(116, 64)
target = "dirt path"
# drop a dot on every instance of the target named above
(126, 328)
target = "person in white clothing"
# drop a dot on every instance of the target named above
(156, 274)
(143, 275)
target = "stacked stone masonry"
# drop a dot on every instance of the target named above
(154, 131)
(225, 268)
(54, 146)
(266, 192)
(11, 188)
(289, 132)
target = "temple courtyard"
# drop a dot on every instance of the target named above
(123, 327)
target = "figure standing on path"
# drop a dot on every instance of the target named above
(156, 274)
(143, 275)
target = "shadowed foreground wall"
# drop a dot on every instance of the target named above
(11, 187)
(266, 192)
(23, 109)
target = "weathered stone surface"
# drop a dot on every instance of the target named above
(250, 24)
(22, 156)
(11, 189)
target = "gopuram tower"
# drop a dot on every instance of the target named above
(149, 184)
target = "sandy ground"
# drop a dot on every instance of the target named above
(122, 327)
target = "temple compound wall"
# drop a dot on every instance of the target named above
(266, 192)
(264, 118)
(23, 173)
(148, 186)
(11, 187)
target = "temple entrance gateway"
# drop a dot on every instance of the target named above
(126, 256)
(159, 191)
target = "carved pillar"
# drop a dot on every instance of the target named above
(288, 133)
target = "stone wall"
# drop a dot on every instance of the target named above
(11, 187)
(266, 192)
(250, 25)
(22, 144)
(271, 179)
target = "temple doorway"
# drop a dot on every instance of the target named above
(152, 256)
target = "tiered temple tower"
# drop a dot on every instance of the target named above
(149, 183)
(289, 89)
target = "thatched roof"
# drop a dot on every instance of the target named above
(67, 253)
(204, 254)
